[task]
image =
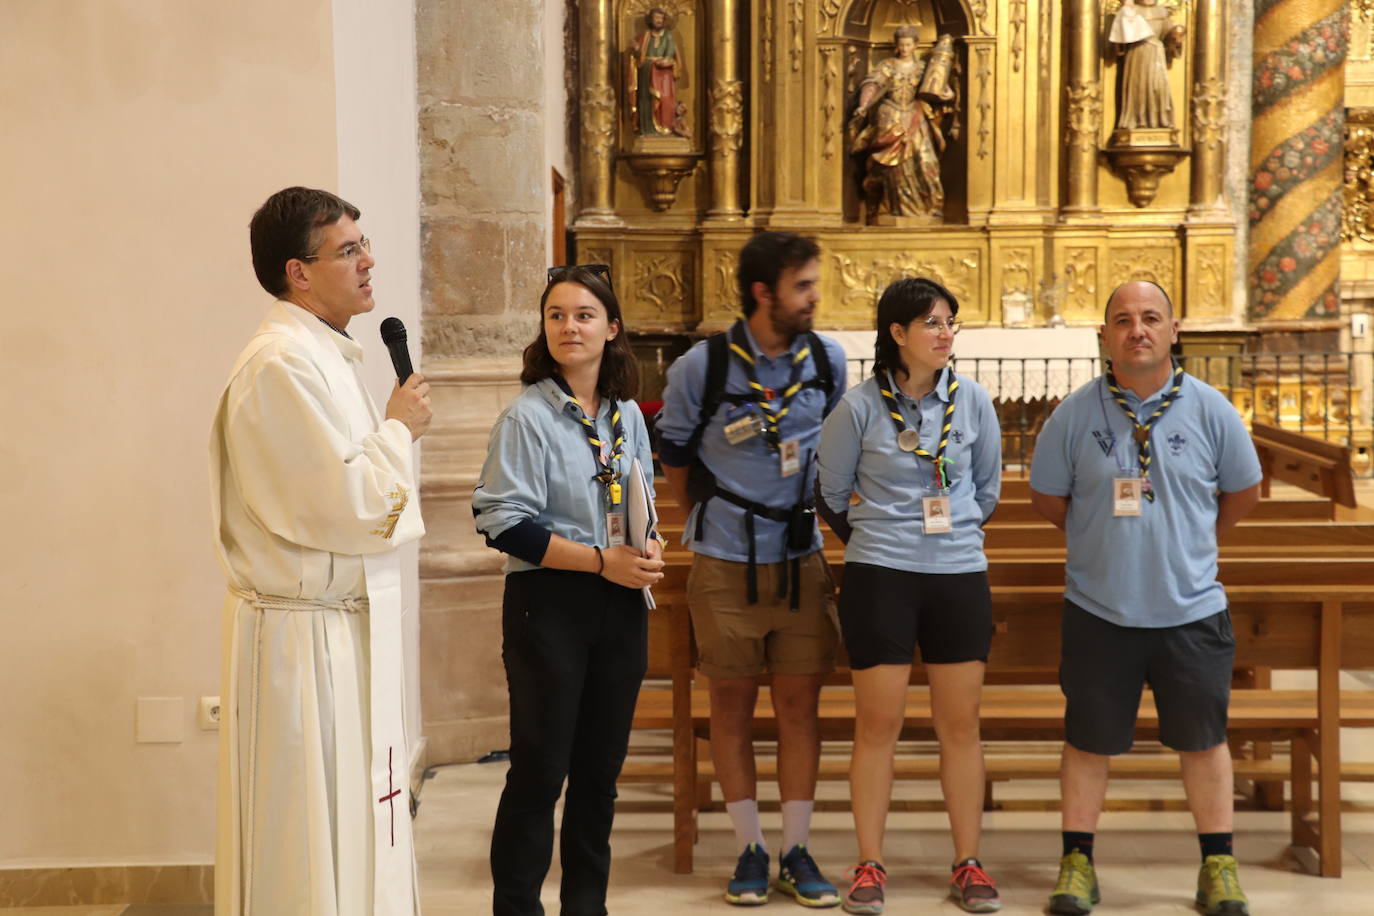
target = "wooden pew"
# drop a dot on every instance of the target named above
(1313, 464)
(1321, 626)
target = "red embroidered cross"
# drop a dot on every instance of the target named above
(390, 798)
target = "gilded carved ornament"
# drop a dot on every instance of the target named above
(797, 10)
(1080, 278)
(1209, 111)
(727, 274)
(957, 271)
(980, 14)
(830, 72)
(1018, 33)
(1357, 220)
(727, 115)
(661, 282)
(767, 68)
(984, 101)
(1085, 114)
(1045, 34)
(1364, 8)
(598, 120)
(1153, 264)
(830, 13)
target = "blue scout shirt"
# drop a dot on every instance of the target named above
(539, 468)
(859, 453)
(750, 469)
(1158, 569)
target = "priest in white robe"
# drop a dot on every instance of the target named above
(313, 489)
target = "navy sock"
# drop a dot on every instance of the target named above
(1215, 844)
(1083, 842)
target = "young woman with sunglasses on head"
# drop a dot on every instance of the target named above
(552, 496)
(922, 448)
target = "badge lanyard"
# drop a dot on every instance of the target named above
(909, 440)
(1142, 430)
(764, 397)
(608, 474)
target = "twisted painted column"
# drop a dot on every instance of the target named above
(1295, 158)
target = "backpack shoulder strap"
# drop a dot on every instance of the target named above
(825, 372)
(717, 367)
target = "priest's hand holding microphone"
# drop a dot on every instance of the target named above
(409, 401)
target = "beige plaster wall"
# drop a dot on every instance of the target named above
(379, 172)
(140, 135)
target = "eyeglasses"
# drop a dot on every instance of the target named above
(935, 325)
(602, 270)
(350, 252)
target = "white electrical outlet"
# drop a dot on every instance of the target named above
(1359, 324)
(207, 717)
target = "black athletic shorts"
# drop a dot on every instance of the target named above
(1104, 667)
(885, 613)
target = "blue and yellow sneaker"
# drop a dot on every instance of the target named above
(749, 884)
(800, 877)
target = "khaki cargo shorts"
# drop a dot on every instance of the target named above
(738, 639)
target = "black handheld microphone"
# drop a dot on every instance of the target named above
(394, 336)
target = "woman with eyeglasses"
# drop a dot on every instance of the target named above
(922, 449)
(553, 496)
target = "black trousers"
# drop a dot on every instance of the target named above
(575, 652)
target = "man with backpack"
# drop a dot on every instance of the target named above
(738, 433)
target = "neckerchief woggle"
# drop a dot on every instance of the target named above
(909, 440)
(609, 474)
(1141, 432)
(739, 344)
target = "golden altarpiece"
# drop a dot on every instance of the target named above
(1038, 165)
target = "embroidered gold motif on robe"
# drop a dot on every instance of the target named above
(399, 497)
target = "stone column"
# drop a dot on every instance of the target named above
(484, 224)
(1085, 107)
(1295, 159)
(598, 113)
(1209, 107)
(727, 111)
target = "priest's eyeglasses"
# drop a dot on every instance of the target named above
(350, 252)
(935, 325)
(558, 273)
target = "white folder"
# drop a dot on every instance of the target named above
(641, 516)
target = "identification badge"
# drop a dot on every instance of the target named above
(789, 457)
(743, 429)
(936, 512)
(615, 529)
(1126, 496)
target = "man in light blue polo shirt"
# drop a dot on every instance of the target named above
(1143, 467)
(738, 434)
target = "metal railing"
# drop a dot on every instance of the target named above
(1326, 395)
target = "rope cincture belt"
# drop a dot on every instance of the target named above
(752, 509)
(608, 473)
(1141, 433)
(910, 441)
(764, 397)
(278, 603)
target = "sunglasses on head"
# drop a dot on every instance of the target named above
(558, 273)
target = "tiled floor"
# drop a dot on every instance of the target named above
(1147, 859)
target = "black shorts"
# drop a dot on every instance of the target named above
(1104, 667)
(885, 613)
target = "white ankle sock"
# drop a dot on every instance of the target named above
(796, 824)
(744, 815)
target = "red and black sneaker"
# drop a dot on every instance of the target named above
(973, 889)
